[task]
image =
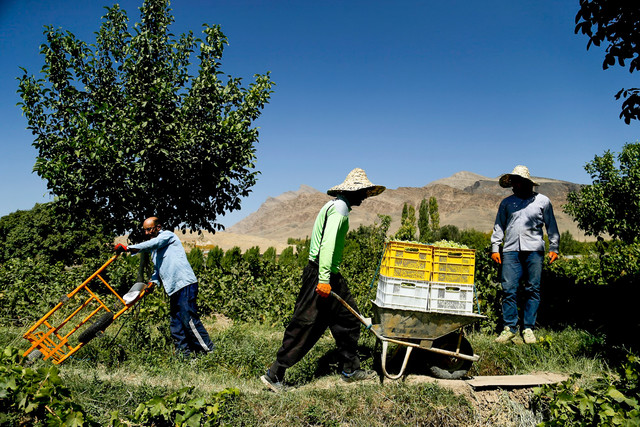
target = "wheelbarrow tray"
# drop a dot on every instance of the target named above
(419, 325)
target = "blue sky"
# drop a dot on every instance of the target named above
(410, 91)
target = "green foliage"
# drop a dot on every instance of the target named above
(180, 409)
(570, 246)
(302, 252)
(448, 232)
(231, 258)
(407, 230)
(29, 396)
(615, 22)
(47, 233)
(423, 221)
(434, 214)
(196, 260)
(361, 259)
(124, 131)
(475, 239)
(614, 400)
(287, 257)
(270, 255)
(610, 204)
(214, 257)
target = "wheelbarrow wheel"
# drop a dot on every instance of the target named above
(98, 326)
(450, 367)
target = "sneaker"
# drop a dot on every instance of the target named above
(273, 385)
(505, 336)
(529, 337)
(358, 375)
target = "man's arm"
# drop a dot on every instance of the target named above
(160, 241)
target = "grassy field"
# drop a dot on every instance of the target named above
(109, 375)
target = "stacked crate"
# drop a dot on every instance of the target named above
(428, 278)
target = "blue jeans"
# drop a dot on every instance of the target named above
(517, 266)
(187, 331)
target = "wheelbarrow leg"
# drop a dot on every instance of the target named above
(385, 345)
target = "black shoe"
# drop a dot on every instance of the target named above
(358, 375)
(273, 385)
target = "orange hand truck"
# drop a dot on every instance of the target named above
(51, 336)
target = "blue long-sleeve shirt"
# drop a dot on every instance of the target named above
(520, 222)
(170, 261)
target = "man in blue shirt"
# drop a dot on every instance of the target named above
(519, 227)
(172, 268)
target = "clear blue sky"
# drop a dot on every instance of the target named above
(410, 91)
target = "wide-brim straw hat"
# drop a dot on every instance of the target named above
(521, 171)
(357, 180)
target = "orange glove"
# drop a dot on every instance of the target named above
(552, 256)
(323, 289)
(496, 257)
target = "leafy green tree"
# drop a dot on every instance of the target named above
(48, 233)
(423, 221)
(124, 130)
(407, 230)
(615, 22)
(434, 214)
(611, 204)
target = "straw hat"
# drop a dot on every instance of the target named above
(356, 180)
(521, 171)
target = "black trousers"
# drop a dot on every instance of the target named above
(312, 316)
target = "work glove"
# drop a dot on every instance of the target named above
(150, 287)
(323, 289)
(120, 248)
(552, 256)
(496, 257)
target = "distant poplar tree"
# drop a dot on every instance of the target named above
(434, 214)
(407, 230)
(423, 221)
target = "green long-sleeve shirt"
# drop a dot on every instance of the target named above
(327, 238)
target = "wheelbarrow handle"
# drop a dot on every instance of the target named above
(363, 320)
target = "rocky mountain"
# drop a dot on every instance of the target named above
(465, 199)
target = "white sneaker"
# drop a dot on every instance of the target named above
(529, 337)
(505, 336)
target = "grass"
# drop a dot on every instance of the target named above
(109, 374)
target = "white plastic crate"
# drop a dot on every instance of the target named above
(451, 298)
(402, 293)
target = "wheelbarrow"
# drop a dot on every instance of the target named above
(438, 333)
(66, 327)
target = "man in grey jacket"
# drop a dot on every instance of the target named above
(519, 227)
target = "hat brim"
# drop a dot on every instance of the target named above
(505, 180)
(371, 191)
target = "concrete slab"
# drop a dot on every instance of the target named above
(531, 380)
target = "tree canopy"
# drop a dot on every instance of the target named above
(615, 22)
(124, 131)
(611, 204)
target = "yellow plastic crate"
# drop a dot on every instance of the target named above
(453, 265)
(404, 260)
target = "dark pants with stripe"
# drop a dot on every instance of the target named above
(312, 316)
(187, 331)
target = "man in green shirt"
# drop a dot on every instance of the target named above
(314, 312)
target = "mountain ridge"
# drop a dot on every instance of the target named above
(465, 199)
